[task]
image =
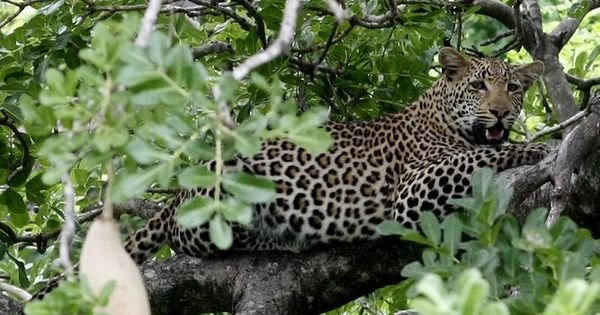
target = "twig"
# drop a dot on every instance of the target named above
(582, 83)
(260, 23)
(562, 125)
(327, 45)
(280, 45)
(498, 37)
(338, 39)
(516, 41)
(68, 230)
(148, 22)
(211, 48)
(339, 12)
(243, 22)
(22, 294)
(20, 8)
(6, 121)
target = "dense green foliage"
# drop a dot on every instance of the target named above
(79, 98)
(538, 262)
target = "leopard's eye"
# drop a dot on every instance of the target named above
(512, 87)
(478, 85)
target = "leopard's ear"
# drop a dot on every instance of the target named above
(528, 73)
(453, 63)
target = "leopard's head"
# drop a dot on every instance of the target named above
(485, 94)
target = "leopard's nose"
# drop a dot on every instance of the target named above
(499, 113)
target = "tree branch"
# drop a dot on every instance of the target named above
(148, 22)
(281, 45)
(562, 33)
(211, 48)
(558, 167)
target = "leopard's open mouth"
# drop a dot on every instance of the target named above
(490, 135)
(495, 133)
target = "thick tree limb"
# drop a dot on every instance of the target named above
(560, 165)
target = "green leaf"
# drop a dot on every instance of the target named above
(452, 227)
(127, 186)
(195, 212)
(248, 145)
(14, 201)
(134, 76)
(237, 211)
(220, 233)
(313, 140)
(481, 183)
(145, 153)
(197, 176)
(472, 292)
(470, 204)
(392, 227)
(431, 227)
(249, 188)
(416, 237)
(23, 279)
(178, 61)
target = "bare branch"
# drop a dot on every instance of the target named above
(148, 22)
(496, 10)
(562, 125)
(582, 84)
(20, 293)
(533, 11)
(26, 157)
(20, 8)
(339, 12)
(281, 45)
(211, 48)
(260, 24)
(228, 12)
(68, 230)
(562, 33)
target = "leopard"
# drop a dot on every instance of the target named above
(391, 168)
(395, 167)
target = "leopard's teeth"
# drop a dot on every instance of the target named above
(495, 136)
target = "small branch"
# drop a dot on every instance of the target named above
(497, 38)
(517, 40)
(20, 8)
(68, 230)
(25, 158)
(211, 48)
(148, 22)
(338, 39)
(339, 12)
(243, 22)
(260, 24)
(562, 125)
(281, 45)
(20, 293)
(582, 84)
(562, 33)
(327, 45)
(494, 9)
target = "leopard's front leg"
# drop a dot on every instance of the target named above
(430, 187)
